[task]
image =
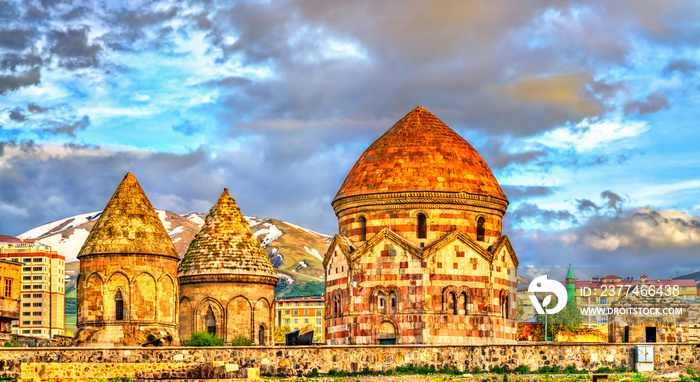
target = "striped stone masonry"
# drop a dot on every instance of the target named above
(420, 257)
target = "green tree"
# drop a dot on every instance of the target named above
(280, 332)
(569, 319)
(520, 311)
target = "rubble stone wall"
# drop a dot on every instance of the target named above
(304, 359)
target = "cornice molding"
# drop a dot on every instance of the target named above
(222, 278)
(418, 199)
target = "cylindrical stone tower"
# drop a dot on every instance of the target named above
(227, 280)
(127, 286)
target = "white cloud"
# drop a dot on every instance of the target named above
(651, 191)
(589, 135)
(643, 228)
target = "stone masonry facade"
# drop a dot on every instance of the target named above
(127, 286)
(420, 257)
(240, 307)
(227, 282)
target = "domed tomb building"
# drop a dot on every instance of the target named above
(420, 258)
(127, 285)
(227, 282)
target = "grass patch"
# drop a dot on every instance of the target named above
(502, 371)
(691, 376)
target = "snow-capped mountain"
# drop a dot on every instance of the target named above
(295, 251)
(68, 235)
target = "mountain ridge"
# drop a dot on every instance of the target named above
(295, 251)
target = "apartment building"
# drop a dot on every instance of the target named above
(299, 313)
(42, 294)
(9, 296)
(603, 292)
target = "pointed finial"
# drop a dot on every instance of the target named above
(129, 175)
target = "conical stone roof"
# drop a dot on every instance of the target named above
(129, 225)
(225, 245)
(420, 153)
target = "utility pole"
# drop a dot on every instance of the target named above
(546, 337)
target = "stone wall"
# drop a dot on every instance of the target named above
(57, 341)
(303, 359)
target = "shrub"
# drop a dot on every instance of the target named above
(241, 341)
(314, 373)
(12, 344)
(204, 339)
(571, 369)
(522, 369)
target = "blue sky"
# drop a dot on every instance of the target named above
(585, 111)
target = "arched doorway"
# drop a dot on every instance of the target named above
(386, 333)
(210, 321)
(261, 335)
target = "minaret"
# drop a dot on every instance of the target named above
(127, 286)
(570, 285)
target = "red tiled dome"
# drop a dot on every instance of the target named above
(420, 153)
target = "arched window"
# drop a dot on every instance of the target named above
(338, 307)
(504, 304)
(480, 231)
(392, 303)
(119, 303)
(422, 226)
(455, 303)
(466, 303)
(363, 228)
(261, 335)
(210, 321)
(381, 304)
